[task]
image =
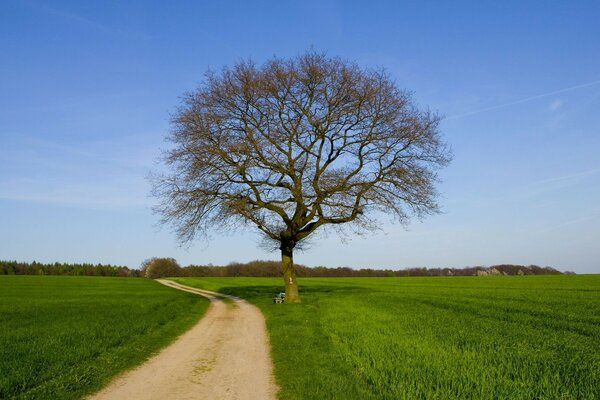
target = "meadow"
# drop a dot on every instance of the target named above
(507, 337)
(62, 337)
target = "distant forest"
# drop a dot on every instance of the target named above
(36, 268)
(262, 268)
(273, 269)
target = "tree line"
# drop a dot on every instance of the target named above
(85, 269)
(162, 267)
(262, 268)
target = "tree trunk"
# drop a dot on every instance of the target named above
(289, 275)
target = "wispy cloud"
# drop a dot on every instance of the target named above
(79, 19)
(76, 103)
(567, 178)
(127, 152)
(89, 174)
(547, 188)
(524, 100)
(588, 218)
(568, 223)
(122, 192)
(555, 105)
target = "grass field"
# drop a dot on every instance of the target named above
(531, 337)
(62, 337)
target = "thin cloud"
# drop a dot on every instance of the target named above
(567, 178)
(586, 219)
(546, 187)
(555, 105)
(84, 20)
(512, 103)
(121, 192)
(130, 152)
(536, 189)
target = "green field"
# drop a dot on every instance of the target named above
(62, 337)
(531, 337)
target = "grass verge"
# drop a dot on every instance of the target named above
(62, 337)
(431, 338)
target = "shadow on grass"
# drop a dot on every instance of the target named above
(309, 294)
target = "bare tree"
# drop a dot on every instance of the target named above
(296, 145)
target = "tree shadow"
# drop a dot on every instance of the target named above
(307, 293)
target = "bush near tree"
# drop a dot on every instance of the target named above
(160, 268)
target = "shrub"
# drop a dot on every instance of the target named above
(160, 267)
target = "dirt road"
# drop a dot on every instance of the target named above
(224, 356)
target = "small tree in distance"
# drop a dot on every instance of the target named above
(295, 146)
(160, 268)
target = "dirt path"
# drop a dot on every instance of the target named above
(224, 356)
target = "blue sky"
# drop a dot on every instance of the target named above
(86, 89)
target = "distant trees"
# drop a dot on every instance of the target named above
(263, 268)
(36, 268)
(297, 146)
(164, 267)
(160, 268)
(502, 269)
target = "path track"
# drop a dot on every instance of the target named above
(224, 356)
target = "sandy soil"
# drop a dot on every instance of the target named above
(224, 356)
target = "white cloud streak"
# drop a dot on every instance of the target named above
(524, 100)
(122, 192)
(567, 178)
(85, 21)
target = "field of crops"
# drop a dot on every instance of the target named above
(62, 337)
(530, 337)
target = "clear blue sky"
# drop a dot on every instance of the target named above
(86, 89)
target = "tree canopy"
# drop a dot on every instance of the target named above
(295, 145)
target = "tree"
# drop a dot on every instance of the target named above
(297, 145)
(160, 267)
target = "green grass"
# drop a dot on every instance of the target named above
(63, 337)
(531, 337)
